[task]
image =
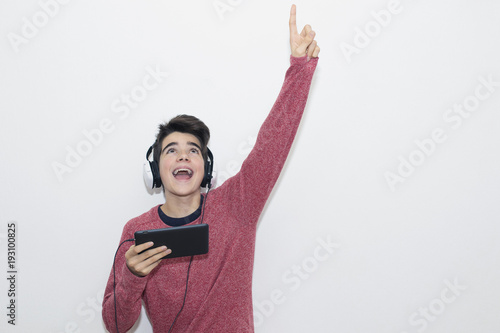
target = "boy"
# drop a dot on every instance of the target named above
(217, 297)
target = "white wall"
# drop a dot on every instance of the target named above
(397, 249)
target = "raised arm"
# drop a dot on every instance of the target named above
(249, 189)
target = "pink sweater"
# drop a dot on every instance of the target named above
(219, 296)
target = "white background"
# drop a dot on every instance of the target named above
(398, 249)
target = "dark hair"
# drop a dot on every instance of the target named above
(184, 124)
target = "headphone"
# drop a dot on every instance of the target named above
(152, 171)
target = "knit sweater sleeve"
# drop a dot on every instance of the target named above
(250, 188)
(129, 289)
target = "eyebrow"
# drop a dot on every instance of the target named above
(176, 143)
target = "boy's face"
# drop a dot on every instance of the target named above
(181, 164)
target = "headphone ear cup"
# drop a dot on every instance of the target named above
(155, 170)
(209, 167)
(148, 175)
(204, 182)
(151, 172)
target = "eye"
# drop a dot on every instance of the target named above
(170, 150)
(194, 150)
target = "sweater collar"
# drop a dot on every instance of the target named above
(177, 221)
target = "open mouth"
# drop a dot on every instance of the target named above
(183, 173)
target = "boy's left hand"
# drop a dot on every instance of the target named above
(302, 44)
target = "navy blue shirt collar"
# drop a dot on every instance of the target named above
(177, 221)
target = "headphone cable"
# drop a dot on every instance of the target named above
(209, 185)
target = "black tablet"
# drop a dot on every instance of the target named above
(184, 241)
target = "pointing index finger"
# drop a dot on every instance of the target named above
(293, 21)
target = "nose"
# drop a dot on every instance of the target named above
(183, 156)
